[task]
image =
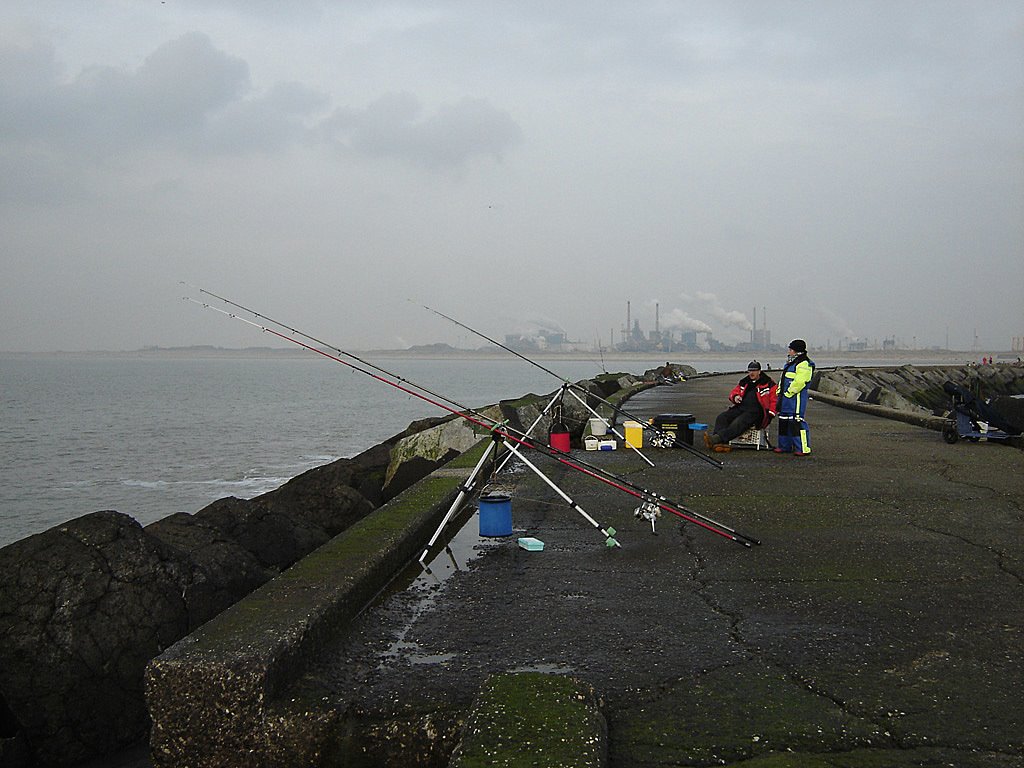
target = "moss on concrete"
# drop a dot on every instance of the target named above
(873, 758)
(533, 719)
(733, 714)
(209, 692)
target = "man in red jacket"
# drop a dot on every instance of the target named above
(753, 404)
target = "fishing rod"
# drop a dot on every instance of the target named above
(594, 471)
(481, 420)
(664, 436)
(360, 360)
(315, 340)
(607, 532)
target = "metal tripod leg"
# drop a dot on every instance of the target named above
(555, 398)
(613, 430)
(609, 533)
(464, 490)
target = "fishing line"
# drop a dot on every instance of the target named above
(315, 340)
(671, 439)
(499, 429)
(606, 531)
(592, 471)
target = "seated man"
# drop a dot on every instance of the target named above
(753, 402)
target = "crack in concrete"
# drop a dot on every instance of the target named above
(946, 471)
(886, 733)
(758, 655)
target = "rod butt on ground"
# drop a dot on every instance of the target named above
(610, 540)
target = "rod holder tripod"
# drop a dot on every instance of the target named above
(557, 398)
(497, 441)
(415, 390)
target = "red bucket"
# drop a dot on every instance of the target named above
(559, 441)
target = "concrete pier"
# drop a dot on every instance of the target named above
(880, 621)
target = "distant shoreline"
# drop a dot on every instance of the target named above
(897, 357)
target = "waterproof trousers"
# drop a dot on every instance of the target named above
(794, 435)
(734, 422)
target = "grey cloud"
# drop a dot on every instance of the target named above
(180, 85)
(866, 146)
(187, 96)
(168, 99)
(393, 126)
(267, 122)
(192, 98)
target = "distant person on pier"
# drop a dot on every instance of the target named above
(753, 403)
(793, 392)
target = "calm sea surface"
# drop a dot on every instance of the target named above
(153, 436)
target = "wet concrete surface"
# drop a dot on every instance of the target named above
(880, 622)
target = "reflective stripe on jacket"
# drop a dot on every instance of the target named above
(796, 375)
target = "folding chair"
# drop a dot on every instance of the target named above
(754, 437)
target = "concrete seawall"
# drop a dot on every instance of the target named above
(215, 696)
(917, 418)
(915, 394)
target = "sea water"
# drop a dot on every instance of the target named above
(151, 436)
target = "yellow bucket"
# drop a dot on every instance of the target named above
(634, 434)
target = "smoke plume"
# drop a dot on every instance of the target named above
(679, 320)
(832, 322)
(727, 317)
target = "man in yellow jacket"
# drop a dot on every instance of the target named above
(794, 436)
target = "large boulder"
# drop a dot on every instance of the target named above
(271, 535)
(417, 455)
(221, 571)
(914, 389)
(83, 608)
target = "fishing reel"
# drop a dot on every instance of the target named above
(648, 511)
(663, 439)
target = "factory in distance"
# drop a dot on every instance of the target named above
(633, 339)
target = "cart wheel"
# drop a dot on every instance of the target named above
(949, 434)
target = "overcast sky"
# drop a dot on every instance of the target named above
(854, 168)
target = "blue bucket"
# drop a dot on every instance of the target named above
(495, 515)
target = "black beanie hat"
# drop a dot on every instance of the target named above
(753, 365)
(798, 345)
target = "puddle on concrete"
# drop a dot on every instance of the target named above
(411, 653)
(462, 544)
(550, 669)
